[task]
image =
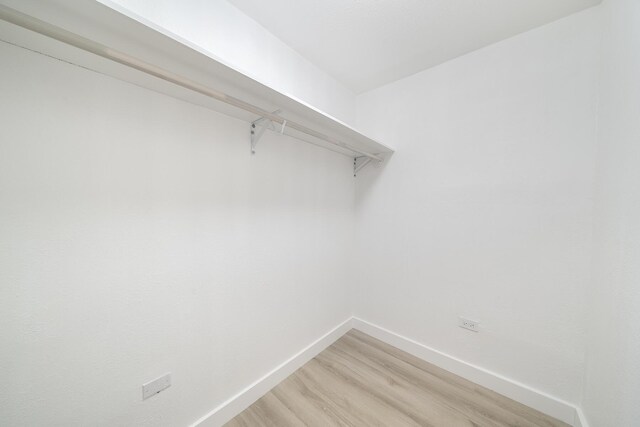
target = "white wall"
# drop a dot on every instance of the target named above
(239, 41)
(139, 236)
(612, 382)
(485, 211)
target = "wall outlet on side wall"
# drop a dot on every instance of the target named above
(471, 325)
(156, 386)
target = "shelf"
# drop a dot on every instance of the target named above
(111, 33)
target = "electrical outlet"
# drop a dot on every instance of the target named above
(471, 325)
(156, 386)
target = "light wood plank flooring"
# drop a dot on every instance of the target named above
(360, 381)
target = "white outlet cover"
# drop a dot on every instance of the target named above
(471, 325)
(156, 386)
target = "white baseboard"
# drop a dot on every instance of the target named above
(512, 389)
(238, 403)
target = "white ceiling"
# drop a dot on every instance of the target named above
(367, 43)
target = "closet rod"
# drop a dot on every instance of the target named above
(18, 18)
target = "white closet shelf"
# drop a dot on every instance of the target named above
(119, 44)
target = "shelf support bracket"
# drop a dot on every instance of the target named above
(359, 163)
(259, 126)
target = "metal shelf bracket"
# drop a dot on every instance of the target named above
(359, 163)
(259, 126)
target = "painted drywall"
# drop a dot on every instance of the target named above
(612, 383)
(139, 237)
(485, 210)
(242, 43)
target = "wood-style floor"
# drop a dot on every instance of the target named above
(360, 381)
